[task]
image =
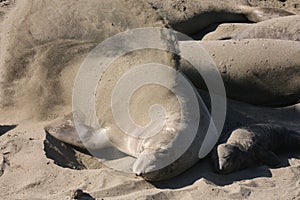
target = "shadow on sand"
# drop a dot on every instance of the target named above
(6, 128)
(204, 170)
(65, 155)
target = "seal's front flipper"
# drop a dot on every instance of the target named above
(65, 131)
(257, 14)
(266, 157)
(81, 135)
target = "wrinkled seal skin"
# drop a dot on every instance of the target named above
(253, 144)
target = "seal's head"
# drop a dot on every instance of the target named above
(228, 158)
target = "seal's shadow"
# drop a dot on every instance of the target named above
(68, 156)
(62, 154)
(204, 170)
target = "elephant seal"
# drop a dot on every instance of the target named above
(283, 28)
(253, 70)
(252, 144)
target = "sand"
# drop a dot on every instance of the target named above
(42, 46)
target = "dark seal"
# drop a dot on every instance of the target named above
(253, 144)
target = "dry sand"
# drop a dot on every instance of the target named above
(37, 60)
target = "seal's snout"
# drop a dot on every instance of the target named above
(225, 162)
(225, 167)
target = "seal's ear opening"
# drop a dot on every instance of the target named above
(266, 157)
